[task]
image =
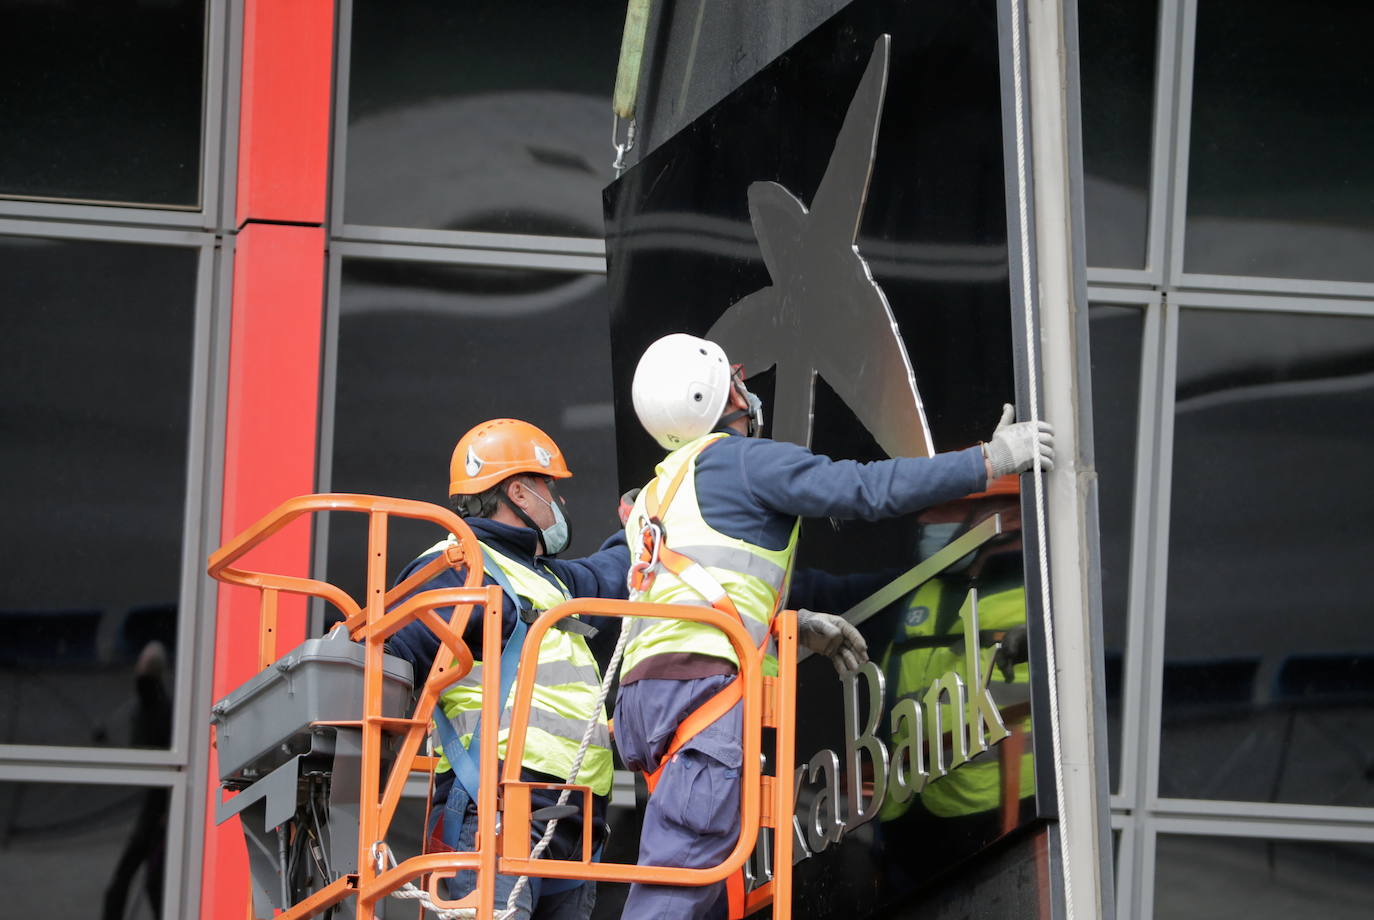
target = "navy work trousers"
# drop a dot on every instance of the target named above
(692, 820)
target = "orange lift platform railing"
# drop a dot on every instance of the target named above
(325, 729)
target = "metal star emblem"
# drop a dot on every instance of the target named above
(824, 314)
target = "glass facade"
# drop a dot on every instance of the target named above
(76, 850)
(1278, 177)
(95, 379)
(1236, 628)
(1117, 342)
(427, 350)
(491, 116)
(103, 105)
(1261, 879)
(1268, 680)
(1117, 55)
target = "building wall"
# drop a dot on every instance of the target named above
(1229, 212)
(172, 184)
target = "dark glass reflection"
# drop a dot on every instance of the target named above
(102, 101)
(95, 374)
(1116, 60)
(1278, 173)
(76, 850)
(1269, 674)
(482, 115)
(683, 249)
(1116, 334)
(426, 351)
(1222, 877)
(698, 54)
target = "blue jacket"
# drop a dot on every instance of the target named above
(601, 574)
(754, 489)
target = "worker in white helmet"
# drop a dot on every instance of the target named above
(717, 526)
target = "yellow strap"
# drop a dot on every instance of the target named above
(651, 503)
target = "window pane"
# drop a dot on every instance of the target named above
(481, 116)
(427, 351)
(68, 849)
(1116, 45)
(104, 103)
(1268, 679)
(95, 372)
(1116, 353)
(1217, 878)
(1282, 137)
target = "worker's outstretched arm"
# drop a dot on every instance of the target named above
(602, 574)
(794, 481)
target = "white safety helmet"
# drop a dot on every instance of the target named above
(680, 388)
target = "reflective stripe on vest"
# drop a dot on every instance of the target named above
(976, 786)
(754, 577)
(566, 687)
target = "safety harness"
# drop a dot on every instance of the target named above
(464, 758)
(654, 552)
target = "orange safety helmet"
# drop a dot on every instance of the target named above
(496, 450)
(1009, 484)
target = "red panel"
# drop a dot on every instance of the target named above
(288, 59)
(269, 456)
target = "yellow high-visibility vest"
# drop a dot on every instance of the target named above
(566, 688)
(753, 577)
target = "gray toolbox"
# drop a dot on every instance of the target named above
(266, 721)
(291, 772)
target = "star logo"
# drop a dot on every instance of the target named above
(823, 294)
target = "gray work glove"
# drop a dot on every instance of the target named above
(1014, 445)
(834, 637)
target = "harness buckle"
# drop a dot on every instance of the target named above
(641, 574)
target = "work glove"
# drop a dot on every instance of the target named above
(834, 637)
(627, 504)
(1014, 445)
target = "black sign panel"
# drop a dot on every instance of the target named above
(839, 224)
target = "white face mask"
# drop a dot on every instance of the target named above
(558, 534)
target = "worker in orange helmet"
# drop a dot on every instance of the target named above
(503, 479)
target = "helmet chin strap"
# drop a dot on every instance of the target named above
(519, 512)
(528, 521)
(754, 413)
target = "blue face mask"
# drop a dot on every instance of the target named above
(557, 534)
(935, 537)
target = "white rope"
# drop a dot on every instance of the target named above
(577, 761)
(1050, 658)
(410, 892)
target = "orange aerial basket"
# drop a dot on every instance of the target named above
(318, 746)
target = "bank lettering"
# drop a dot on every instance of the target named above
(838, 805)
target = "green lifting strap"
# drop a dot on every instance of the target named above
(631, 57)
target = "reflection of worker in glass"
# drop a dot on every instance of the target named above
(502, 478)
(984, 795)
(147, 843)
